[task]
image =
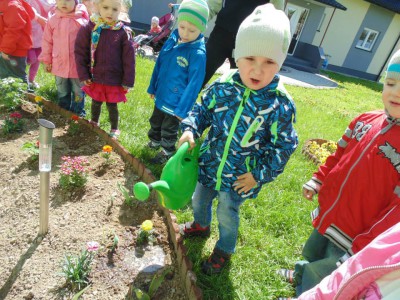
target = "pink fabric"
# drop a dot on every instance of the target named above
(155, 29)
(105, 93)
(42, 7)
(59, 41)
(356, 277)
(33, 62)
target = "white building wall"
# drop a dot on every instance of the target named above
(385, 46)
(342, 30)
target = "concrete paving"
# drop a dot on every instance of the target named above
(295, 77)
(289, 75)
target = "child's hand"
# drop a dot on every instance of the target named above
(151, 96)
(5, 56)
(126, 88)
(245, 183)
(47, 67)
(87, 82)
(308, 194)
(187, 136)
(179, 118)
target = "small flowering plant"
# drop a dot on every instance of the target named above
(39, 104)
(33, 149)
(146, 233)
(76, 269)
(106, 153)
(74, 173)
(73, 127)
(13, 123)
(12, 91)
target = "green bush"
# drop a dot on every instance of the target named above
(12, 91)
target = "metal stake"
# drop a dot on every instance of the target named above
(45, 153)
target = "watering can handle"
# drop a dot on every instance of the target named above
(183, 150)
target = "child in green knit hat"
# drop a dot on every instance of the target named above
(177, 77)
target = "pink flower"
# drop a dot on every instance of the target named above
(92, 246)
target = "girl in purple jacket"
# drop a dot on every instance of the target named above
(105, 60)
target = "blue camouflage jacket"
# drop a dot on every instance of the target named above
(250, 131)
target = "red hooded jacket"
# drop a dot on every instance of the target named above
(15, 27)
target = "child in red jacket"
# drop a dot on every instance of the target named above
(358, 189)
(15, 37)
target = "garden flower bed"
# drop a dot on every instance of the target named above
(30, 265)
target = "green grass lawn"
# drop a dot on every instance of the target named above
(275, 225)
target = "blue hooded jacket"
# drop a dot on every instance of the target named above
(178, 75)
(250, 131)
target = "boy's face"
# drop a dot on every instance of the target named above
(109, 10)
(188, 32)
(65, 6)
(391, 97)
(257, 72)
(154, 24)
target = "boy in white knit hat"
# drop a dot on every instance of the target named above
(358, 189)
(251, 136)
(177, 77)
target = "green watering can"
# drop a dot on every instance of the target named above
(178, 179)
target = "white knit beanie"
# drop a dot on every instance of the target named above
(393, 70)
(155, 20)
(266, 32)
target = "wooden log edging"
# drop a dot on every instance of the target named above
(188, 277)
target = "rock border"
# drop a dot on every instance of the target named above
(189, 278)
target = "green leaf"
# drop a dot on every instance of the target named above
(77, 295)
(157, 281)
(141, 295)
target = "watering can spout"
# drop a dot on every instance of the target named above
(177, 182)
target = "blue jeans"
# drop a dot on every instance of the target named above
(321, 256)
(70, 95)
(227, 214)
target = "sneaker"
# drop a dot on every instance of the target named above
(35, 85)
(32, 86)
(216, 262)
(287, 274)
(114, 134)
(161, 158)
(192, 229)
(153, 145)
(94, 124)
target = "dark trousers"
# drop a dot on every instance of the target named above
(113, 113)
(219, 47)
(164, 129)
(14, 67)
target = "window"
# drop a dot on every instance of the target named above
(367, 39)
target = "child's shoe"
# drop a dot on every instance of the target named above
(287, 274)
(114, 134)
(161, 158)
(216, 262)
(94, 124)
(153, 145)
(192, 229)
